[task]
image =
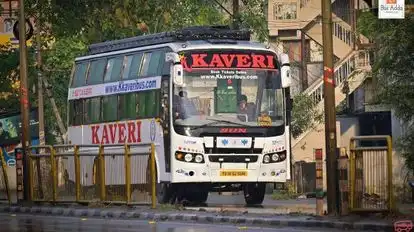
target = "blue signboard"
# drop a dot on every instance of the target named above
(11, 127)
(10, 131)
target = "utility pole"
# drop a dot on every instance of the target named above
(329, 103)
(24, 94)
(39, 84)
(303, 56)
(236, 14)
(40, 103)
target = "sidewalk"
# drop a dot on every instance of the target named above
(164, 213)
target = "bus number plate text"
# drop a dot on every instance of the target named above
(233, 173)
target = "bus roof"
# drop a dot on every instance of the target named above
(209, 33)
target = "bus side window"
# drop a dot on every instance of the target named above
(92, 111)
(128, 108)
(76, 112)
(79, 77)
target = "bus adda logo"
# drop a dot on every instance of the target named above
(213, 60)
(403, 226)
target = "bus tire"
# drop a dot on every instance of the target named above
(164, 193)
(195, 193)
(254, 193)
(201, 197)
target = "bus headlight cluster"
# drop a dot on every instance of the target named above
(189, 157)
(274, 157)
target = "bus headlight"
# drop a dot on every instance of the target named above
(274, 157)
(199, 158)
(188, 157)
(282, 156)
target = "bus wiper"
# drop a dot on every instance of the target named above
(217, 121)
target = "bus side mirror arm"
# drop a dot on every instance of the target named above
(172, 57)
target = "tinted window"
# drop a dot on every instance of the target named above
(145, 64)
(76, 112)
(93, 110)
(133, 64)
(110, 108)
(128, 106)
(113, 69)
(165, 66)
(155, 66)
(96, 72)
(148, 104)
(80, 74)
(152, 103)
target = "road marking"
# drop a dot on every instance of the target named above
(151, 222)
(242, 227)
(13, 215)
(84, 219)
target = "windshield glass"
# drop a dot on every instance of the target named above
(223, 88)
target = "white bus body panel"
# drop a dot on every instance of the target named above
(210, 172)
(146, 131)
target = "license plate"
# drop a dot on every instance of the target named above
(233, 173)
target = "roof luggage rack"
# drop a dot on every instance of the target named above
(185, 34)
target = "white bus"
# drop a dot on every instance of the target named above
(216, 105)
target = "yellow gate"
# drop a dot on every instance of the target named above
(371, 174)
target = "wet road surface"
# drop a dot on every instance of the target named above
(33, 223)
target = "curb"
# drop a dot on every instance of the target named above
(192, 217)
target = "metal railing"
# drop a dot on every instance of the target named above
(340, 31)
(357, 61)
(371, 179)
(122, 174)
(4, 179)
(348, 69)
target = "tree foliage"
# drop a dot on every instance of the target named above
(70, 26)
(393, 70)
(305, 115)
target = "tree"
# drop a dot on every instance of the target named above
(9, 78)
(305, 115)
(70, 26)
(393, 70)
(253, 16)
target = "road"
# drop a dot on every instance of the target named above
(216, 202)
(216, 199)
(32, 223)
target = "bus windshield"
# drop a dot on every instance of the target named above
(233, 88)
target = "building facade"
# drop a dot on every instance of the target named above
(295, 27)
(8, 17)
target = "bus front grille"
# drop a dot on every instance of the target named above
(233, 150)
(233, 158)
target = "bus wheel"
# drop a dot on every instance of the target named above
(201, 197)
(254, 193)
(197, 195)
(164, 193)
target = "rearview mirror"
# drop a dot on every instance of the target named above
(178, 75)
(285, 70)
